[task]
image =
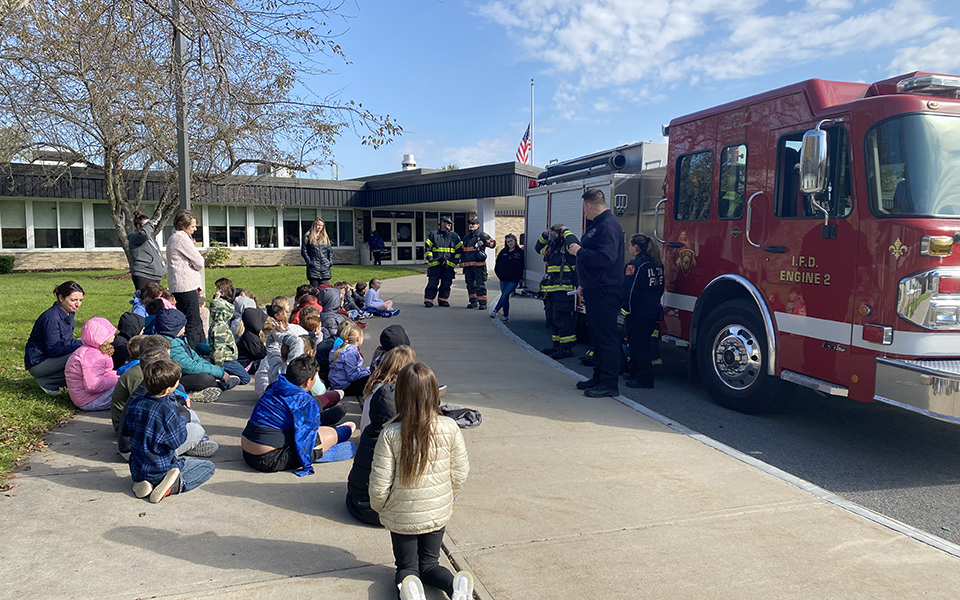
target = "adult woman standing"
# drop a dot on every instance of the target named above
(185, 275)
(317, 253)
(51, 342)
(642, 290)
(146, 262)
(509, 271)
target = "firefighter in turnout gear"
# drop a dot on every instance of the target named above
(443, 254)
(559, 302)
(474, 263)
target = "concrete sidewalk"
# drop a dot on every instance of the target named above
(567, 498)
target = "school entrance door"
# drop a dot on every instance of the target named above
(398, 239)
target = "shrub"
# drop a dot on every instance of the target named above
(217, 255)
(6, 263)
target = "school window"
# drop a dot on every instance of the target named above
(104, 233)
(733, 181)
(694, 181)
(298, 221)
(58, 226)
(265, 226)
(836, 198)
(13, 224)
(228, 225)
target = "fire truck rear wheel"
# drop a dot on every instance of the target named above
(732, 359)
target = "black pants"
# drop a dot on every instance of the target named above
(641, 348)
(377, 257)
(420, 555)
(198, 381)
(140, 281)
(189, 304)
(316, 282)
(280, 459)
(476, 280)
(603, 305)
(561, 319)
(355, 388)
(442, 276)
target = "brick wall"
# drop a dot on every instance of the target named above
(507, 225)
(265, 257)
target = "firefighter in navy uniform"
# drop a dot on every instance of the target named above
(561, 279)
(600, 270)
(442, 255)
(473, 259)
(642, 290)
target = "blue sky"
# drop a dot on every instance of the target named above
(456, 74)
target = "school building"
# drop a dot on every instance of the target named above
(56, 219)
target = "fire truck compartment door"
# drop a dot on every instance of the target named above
(808, 286)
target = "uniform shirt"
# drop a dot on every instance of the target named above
(642, 287)
(156, 429)
(561, 265)
(600, 259)
(475, 244)
(443, 248)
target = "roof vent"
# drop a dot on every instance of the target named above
(931, 85)
(409, 162)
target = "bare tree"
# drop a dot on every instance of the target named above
(92, 80)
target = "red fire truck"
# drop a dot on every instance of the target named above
(809, 238)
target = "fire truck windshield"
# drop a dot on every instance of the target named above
(913, 166)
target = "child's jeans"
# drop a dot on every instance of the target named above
(420, 555)
(102, 402)
(194, 472)
(235, 368)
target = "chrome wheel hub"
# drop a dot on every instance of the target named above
(736, 357)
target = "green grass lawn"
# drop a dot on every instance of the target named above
(26, 413)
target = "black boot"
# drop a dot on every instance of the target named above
(483, 305)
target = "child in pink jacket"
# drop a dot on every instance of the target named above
(89, 371)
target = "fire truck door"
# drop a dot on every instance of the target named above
(808, 269)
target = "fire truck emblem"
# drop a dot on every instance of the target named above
(686, 260)
(898, 249)
(736, 232)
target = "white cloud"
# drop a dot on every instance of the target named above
(484, 152)
(598, 44)
(940, 55)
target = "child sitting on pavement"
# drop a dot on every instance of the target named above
(346, 363)
(285, 431)
(89, 371)
(156, 430)
(372, 302)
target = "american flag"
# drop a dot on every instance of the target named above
(523, 152)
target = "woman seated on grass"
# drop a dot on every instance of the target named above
(51, 342)
(284, 432)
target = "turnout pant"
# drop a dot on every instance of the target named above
(442, 276)
(561, 319)
(640, 366)
(603, 305)
(476, 280)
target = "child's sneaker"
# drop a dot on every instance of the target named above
(412, 589)
(204, 449)
(341, 451)
(206, 395)
(462, 586)
(234, 381)
(142, 489)
(165, 487)
(51, 392)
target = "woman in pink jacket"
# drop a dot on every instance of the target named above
(89, 371)
(185, 274)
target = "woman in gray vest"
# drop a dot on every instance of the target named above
(146, 262)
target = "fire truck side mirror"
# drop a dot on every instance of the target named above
(813, 162)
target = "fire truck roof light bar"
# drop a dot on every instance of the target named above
(930, 85)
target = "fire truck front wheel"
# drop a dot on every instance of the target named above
(732, 358)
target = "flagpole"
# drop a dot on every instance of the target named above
(531, 121)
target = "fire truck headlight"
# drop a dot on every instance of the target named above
(936, 245)
(944, 316)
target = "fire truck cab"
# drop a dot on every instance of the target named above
(808, 238)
